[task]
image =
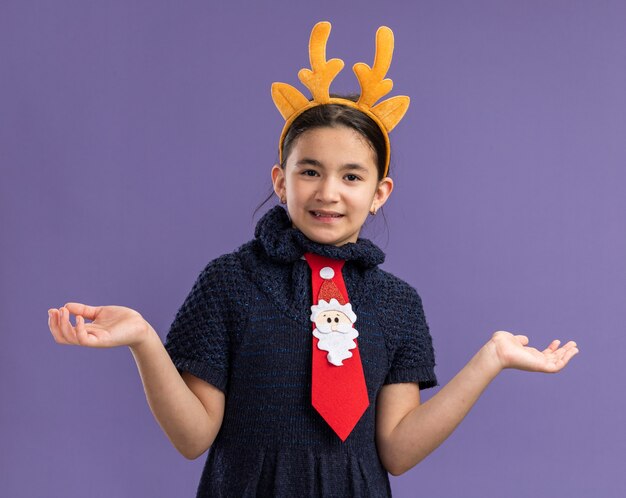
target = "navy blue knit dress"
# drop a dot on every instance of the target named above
(245, 328)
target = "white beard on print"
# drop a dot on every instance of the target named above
(337, 339)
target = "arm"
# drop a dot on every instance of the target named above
(407, 431)
(188, 409)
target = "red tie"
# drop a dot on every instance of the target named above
(339, 392)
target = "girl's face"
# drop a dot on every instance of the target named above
(330, 183)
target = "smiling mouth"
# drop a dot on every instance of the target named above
(323, 214)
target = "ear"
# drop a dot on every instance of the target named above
(383, 191)
(278, 181)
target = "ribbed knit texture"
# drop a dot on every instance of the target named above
(245, 329)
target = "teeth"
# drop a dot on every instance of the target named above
(330, 215)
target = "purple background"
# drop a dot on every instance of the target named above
(136, 139)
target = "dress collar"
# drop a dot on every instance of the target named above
(284, 243)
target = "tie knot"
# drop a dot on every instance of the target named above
(326, 268)
(327, 278)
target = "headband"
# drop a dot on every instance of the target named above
(291, 103)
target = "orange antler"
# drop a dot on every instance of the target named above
(323, 72)
(373, 84)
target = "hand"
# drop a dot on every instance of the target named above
(512, 352)
(111, 326)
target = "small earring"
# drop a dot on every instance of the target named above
(373, 211)
(283, 200)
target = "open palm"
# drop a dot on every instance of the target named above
(513, 352)
(111, 326)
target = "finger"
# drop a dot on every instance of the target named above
(563, 358)
(53, 324)
(66, 327)
(522, 339)
(552, 347)
(83, 337)
(88, 312)
(560, 353)
(569, 354)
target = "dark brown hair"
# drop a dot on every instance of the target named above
(332, 115)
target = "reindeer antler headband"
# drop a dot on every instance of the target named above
(291, 103)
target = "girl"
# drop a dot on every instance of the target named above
(285, 412)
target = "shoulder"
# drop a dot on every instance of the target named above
(222, 265)
(400, 304)
(222, 281)
(228, 266)
(238, 273)
(392, 290)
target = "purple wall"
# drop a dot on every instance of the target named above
(133, 150)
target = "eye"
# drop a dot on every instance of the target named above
(336, 320)
(328, 320)
(309, 172)
(352, 177)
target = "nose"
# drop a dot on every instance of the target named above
(328, 190)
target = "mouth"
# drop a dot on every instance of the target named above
(326, 214)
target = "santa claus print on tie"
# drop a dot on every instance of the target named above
(334, 329)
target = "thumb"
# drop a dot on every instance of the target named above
(89, 312)
(522, 339)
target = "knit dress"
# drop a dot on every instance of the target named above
(245, 328)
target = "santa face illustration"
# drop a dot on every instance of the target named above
(334, 329)
(332, 321)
